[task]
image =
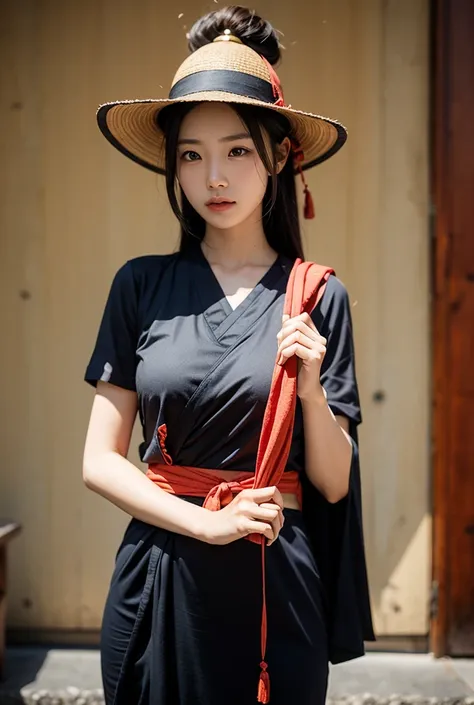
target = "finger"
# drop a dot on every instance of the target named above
(300, 322)
(302, 352)
(276, 503)
(296, 349)
(293, 324)
(304, 329)
(296, 337)
(260, 513)
(271, 505)
(278, 498)
(278, 513)
(277, 529)
(276, 532)
(293, 335)
(282, 519)
(311, 331)
(258, 527)
(276, 525)
(305, 317)
(301, 325)
(262, 494)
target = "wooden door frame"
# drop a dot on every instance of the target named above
(453, 299)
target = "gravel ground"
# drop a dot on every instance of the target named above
(42, 676)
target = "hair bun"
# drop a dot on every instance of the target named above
(243, 23)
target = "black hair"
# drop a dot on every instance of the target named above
(280, 207)
(243, 23)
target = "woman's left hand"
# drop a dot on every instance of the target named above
(299, 336)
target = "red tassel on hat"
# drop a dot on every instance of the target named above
(308, 204)
(298, 157)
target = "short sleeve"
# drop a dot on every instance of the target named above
(338, 374)
(114, 356)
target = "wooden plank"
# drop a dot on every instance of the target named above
(441, 259)
(24, 403)
(453, 333)
(461, 332)
(401, 501)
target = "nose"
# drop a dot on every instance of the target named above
(215, 178)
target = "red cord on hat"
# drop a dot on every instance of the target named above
(298, 156)
(276, 85)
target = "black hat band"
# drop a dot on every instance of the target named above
(236, 82)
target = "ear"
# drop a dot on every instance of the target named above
(283, 153)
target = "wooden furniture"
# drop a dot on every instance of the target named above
(8, 530)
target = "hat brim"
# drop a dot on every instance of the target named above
(131, 126)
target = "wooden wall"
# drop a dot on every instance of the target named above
(72, 210)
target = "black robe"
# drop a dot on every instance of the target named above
(204, 370)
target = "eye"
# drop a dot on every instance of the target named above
(190, 156)
(239, 152)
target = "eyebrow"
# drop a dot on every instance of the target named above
(229, 138)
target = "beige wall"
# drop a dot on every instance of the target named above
(73, 210)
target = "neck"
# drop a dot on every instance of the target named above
(244, 244)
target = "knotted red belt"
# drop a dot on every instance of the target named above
(200, 482)
(305, 287)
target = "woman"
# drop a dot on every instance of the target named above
(190, 341)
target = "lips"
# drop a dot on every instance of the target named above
(218, 201)
(218, 204)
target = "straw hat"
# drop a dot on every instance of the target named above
(228, 71)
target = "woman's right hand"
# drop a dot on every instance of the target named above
(250, 512)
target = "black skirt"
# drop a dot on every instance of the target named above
(182, 620)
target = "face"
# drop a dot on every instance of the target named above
(218, 166)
